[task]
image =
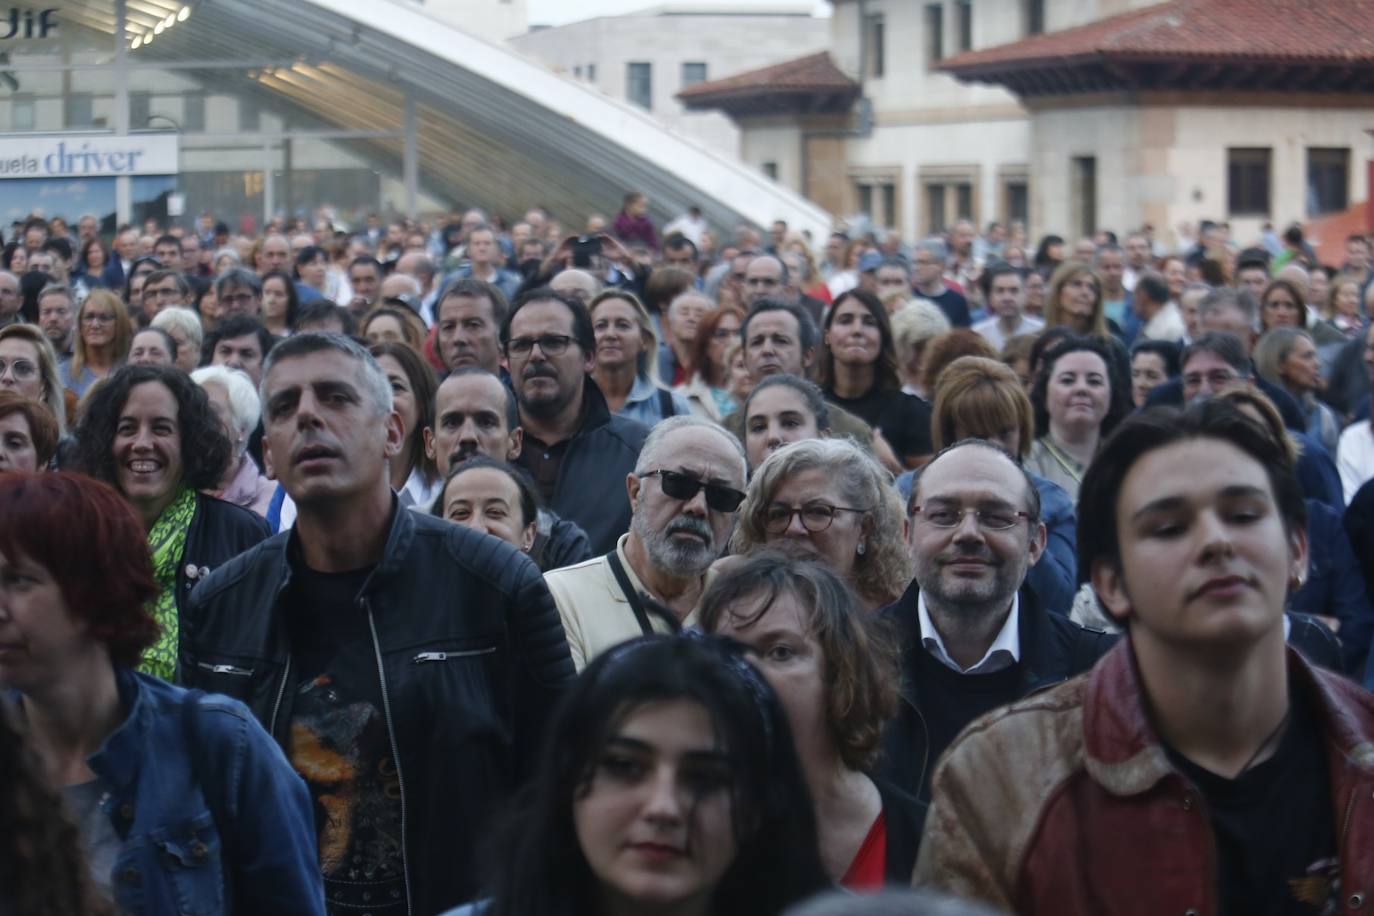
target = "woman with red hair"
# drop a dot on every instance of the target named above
(183, 802)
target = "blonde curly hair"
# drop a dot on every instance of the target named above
(883, 571)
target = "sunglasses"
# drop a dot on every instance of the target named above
(685, 487)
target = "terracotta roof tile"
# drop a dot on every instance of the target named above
(815, 73)
(1319, 32)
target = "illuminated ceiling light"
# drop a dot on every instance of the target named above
(157, 29)
(138, 42)
(184, 14)
(171, 20)
(147, 39)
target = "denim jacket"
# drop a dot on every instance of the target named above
(169, 812)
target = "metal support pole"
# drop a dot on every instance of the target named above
(124, 203)
(411, 162)
(269, 182)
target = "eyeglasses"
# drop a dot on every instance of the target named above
(685, 487)
(169, 292)
(97, 318)
(992, 519)
(549, 344)
(1219, 378)
(815, 517)
(21, 368)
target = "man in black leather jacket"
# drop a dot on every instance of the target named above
(405, 665)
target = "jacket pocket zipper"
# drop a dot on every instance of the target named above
(225, 669)
(446, 656)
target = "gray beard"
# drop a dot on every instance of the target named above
(678, 557)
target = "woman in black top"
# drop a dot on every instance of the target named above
(858, 371)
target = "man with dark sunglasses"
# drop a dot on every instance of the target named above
(684, 492)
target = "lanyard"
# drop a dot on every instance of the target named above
(1068, 464)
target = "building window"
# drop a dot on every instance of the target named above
(693, 72)
(140, 109)
(577, 71)
(193, 111)
(250, 116)
(865, 194)
(1018, 202)
(639, 84)
(771, 170)
(1247, 181)
(78, 110)
(875, 44)
(1035, 17)
(946, 203)
(1083, 195)
(591, 73)
(22, 113)
(963, 10)
(889, 198)
(1328, 180)
(935, 33)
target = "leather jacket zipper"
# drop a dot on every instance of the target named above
(445, 656)
(395, 750)
(225, 669)
(281, 692)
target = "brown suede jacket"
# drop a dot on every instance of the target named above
(1066, 803)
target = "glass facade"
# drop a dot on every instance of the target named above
(250, 148)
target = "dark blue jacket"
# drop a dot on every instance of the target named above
(1335, 586)
(230, 829)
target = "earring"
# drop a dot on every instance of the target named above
(1295, 581)
(861, 548)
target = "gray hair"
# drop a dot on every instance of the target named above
(226, 252)
(1273, 348)
(244, 404)
(888, 903)
(53, 289)
(935, 247)
(690, 294)
(649, 453)
(373, 378)
(177, 318)
(915, 323)
(1242, 300)
(238, 276)
(880, 573)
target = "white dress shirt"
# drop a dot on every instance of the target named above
(1004, 652)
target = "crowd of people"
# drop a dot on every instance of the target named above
(483, 567)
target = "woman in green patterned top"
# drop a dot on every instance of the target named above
(150, 432)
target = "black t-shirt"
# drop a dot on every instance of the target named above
(340, 745)
(903, 418)
(1274, 827)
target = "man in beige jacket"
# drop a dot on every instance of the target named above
(684, 492)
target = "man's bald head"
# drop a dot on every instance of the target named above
(574, 282)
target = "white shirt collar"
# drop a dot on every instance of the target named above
(1004, 652)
